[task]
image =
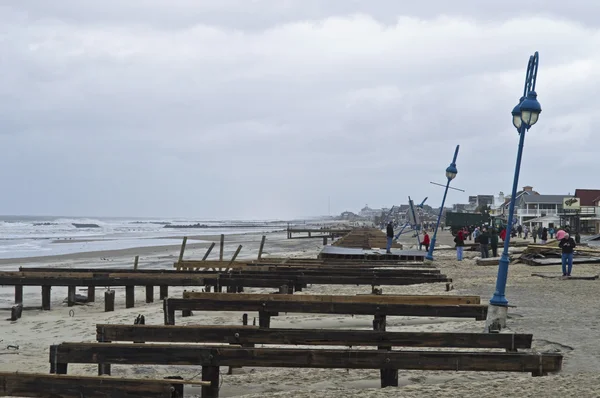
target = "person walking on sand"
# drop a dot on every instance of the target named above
(484, 241)
(503, 234)
(567, 244)
(535, 236)
(459, 240)
(426, 241)
(494, 242)
(519, 230)
(390, 237)
(544, 236)
(551, 232)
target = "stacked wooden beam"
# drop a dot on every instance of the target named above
(365, 238)
(550, 254)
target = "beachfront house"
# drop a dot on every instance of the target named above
(587, 210)
(536, 210)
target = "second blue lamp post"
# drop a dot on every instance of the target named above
(451, 173)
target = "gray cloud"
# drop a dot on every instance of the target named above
(266, 108)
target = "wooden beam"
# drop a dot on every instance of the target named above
(322, 337)
(235, 255)
(182, 251)
(46, 385)
(261, 247)
(221, 248)
(198, 355)
(208, 251)
(478, 312)
(135, 263)
(89, 279)
(325, 298)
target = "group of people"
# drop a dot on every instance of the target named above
(488, 238)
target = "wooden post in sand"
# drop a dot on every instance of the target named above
(71, 296)
(208, 251)
(183, 243)
(389, 377)
(109, 301)
(46, 292)
(129, 296)
(18, 294)
(235, 254)
(262, 246)
(149, 294)
(222, 247)
(91, 294)
(135, 262)
(164, 292)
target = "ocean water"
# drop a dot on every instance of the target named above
(31, 236)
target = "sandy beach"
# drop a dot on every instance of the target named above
(563, 315)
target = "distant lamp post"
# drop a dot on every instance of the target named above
(524, 115)
(451, 173)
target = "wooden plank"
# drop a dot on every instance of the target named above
(254, 335)
(577, 277)
(63, 386)
(477, 312)
(136, 262)
(198, 355)
(377, 299)
(328, 271)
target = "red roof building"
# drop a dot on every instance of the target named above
(587, 196)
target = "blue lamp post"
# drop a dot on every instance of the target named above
(451, 173)
(524, 115)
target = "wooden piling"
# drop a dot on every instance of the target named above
(222, 247)
(149, 294)
(18, 294)
(16, 311)
(262, 246)
(109, 300)
(71, 296)
(91, 294)
(129, 296)
(389, 377)
(264, 319)
(324, 241)
(245, 319)
(46, 297)
(135, 263)
(164, 292)
(210, 374)
(183, 243)
(235, 254)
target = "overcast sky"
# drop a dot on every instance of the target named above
(267, 108)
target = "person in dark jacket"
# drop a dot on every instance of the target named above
(544, 236)
(460, 245)
(484, 241)
(390, 237)
(494, 242)
(567, 244)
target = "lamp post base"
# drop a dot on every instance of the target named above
(429, 255)
(496, 318)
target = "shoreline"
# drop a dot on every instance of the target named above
(142, 251)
